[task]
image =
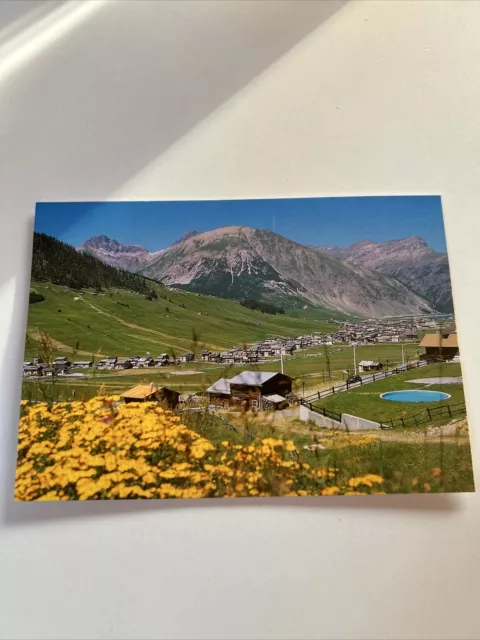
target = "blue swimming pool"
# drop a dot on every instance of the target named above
(415, 396)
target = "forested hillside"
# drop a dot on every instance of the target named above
(59, 263)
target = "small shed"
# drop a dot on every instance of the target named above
(370, 365)
(151, 393)
(275, 402)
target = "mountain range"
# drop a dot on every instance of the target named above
(409, 260)
(373, 279)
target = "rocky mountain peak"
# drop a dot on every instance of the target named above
(109, 245)
(186, 236)
(361, 243)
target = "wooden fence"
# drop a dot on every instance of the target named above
(380, 375)
(415, 420)
(424, 416)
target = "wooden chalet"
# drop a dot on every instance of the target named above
(249, 389)
(145, 361)
(82, 364)
(33, 370)
(439, 347)
(124, 363)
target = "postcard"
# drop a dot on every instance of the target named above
(241, 348)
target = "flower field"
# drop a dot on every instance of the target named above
(101, 449)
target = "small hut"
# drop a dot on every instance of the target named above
(151, 393)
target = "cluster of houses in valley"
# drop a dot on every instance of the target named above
(357, 333)
(61, 365)
(113, 363)
(36, 367)
(383, 330)
(269, 348)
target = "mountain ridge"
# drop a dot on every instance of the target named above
(390, 278)
(239, 261)
(410, 260)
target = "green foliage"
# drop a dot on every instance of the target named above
(59, 263)
(35, 297)
(264, 307)
(151, 295)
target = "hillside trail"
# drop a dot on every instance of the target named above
(68, 349)
(183, 343)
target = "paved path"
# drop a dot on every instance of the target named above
(445, 380)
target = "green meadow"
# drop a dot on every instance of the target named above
(122, 323)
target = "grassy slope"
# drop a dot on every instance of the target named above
(152, 328)
(405, 467)
(366, 402)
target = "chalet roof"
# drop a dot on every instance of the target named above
(368, 363)
(439, 340)
(220, 386)
(253, 378)
(275, 398)
(140, 391)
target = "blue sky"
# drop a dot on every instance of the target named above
(317, 221)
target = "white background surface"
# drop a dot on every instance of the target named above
(152, 100)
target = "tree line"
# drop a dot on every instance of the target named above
(264, 307)
(59, 263)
